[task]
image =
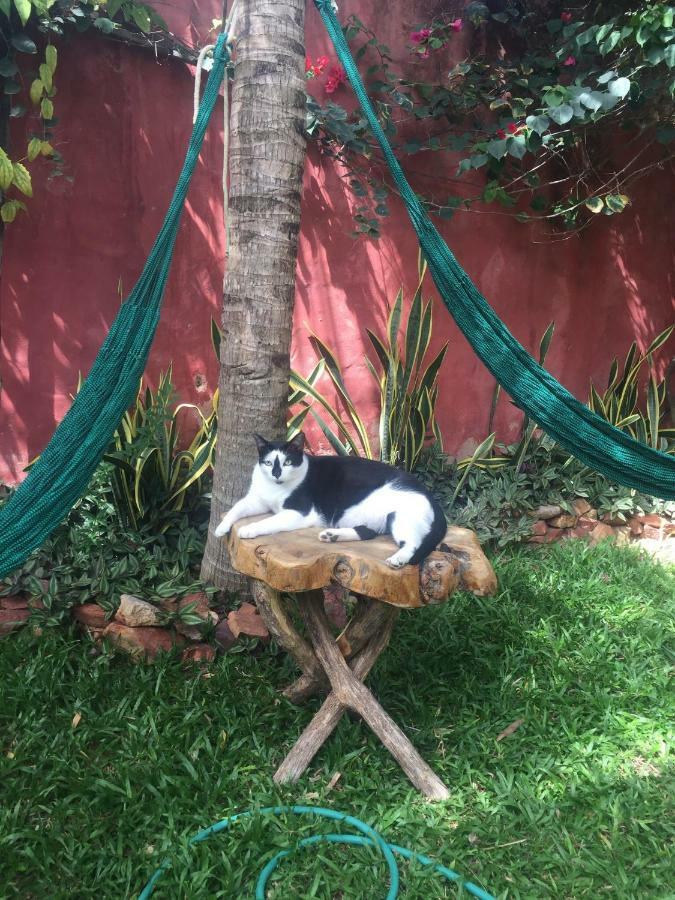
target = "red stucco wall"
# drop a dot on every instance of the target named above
(124, 121)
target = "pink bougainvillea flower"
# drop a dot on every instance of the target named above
(501, 134)
(570, 61)
(425, 54)
(336, 77)
(418, 36)
(566, 17)
(456, 25)
(309, 68)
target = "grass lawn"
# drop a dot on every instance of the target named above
(576, 803)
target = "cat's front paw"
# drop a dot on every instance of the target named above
(223, 528)
(397, 561)
(248, 531)
(329, 536)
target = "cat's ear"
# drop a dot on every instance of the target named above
(260, 442)
(297, 443)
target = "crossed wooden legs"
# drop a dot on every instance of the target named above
(340, 670)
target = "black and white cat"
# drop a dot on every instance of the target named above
(355, 499)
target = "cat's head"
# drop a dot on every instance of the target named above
(283, 462)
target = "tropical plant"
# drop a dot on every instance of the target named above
(406, 382)
(152, 478)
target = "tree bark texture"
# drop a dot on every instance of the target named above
(267, 149)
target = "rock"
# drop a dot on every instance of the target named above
(587, 523)
(198, 653)
(579, 532)
(539, 528)
(622, 535)
(662, 551)
(195, 632)
(565, 520)
(136, 613)
(636, 526)
(546, 512)
(592, 514)
(653, 519)
(652, 532)
(14, 602)
(141, 642)
(581, 507)
(90, 614)
(224, 637)
(246, 620)
(11, 619)
(601, 532)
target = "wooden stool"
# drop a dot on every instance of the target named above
(297, 562)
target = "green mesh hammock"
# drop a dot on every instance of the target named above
(586, 435)
(63, 471)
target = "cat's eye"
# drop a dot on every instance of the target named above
(288, 463)
(267, 463)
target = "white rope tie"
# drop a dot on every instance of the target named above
(228, 27)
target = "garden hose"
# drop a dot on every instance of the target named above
(367, 837)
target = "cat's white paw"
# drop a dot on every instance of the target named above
(328, 535)
(248, 531)
(223, 528)
(398, 560)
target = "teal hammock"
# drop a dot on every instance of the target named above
(586, 435)
(62, 473)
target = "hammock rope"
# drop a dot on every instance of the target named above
(574, 426)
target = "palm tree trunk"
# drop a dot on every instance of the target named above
(267, 148)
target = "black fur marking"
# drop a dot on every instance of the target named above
(333, 538)
(276, 468)
(365, 533)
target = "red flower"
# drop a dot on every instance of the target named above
(336, 77)
(308, 64)
(501, 134)
(512, 128)
(570, 61)
(566, 17)
(456, 25)
(320, 64)
(418, 36)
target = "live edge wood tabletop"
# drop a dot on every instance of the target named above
(297, 563)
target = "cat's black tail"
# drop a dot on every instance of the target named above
(434, 537)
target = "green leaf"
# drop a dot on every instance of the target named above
(538, 123)
(617, 202)
(8, 211)
(47, 109)
(46, 76)
(561, 114)
(595, 204)
(6, 170)
(51, 57)
(653, 411)
(619, 88)
(23, 43)
(24, 8)
(517, 146)
(34, 148)
(36, 90)
(22, 180)
(545, 343)
(497, 148)
(669, 56)
(11, 87)
(106, 26)
(6, 8)
(141, 17)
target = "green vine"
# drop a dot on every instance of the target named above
(21, 23)
(554, 116)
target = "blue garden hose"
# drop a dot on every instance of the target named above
(368, 837)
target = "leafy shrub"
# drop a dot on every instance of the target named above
(152, 479)
(91, 558)
(407, 387)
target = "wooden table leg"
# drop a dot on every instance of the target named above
(349, 693)
(368, 621)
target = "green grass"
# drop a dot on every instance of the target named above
(575, 804)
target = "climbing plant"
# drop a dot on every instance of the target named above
(554, 114)
(29, 29)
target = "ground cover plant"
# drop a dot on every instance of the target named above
(104, 765)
